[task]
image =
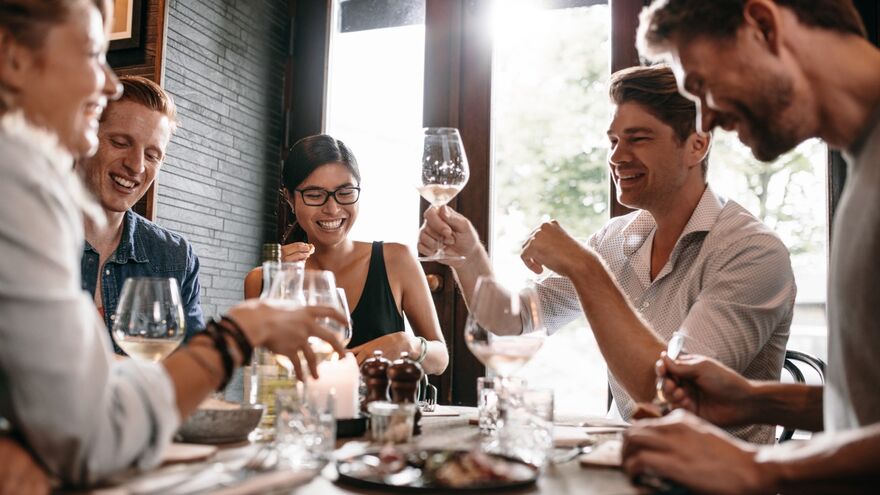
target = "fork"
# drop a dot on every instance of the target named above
(205, 478)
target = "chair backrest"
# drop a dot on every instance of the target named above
(792, 358)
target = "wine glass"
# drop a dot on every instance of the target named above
(349, 326)
(444, 172)
(319, 289)
(149, 322)
(504, 329)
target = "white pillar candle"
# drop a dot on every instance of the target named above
(340, 377)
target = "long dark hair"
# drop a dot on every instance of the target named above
(305, 156)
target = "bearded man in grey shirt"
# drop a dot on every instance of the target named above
(780, 72)
(686, 261)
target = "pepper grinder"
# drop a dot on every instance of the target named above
(405, 375)
(375, 373)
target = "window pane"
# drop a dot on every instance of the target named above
(374, 98)
(790, 196)
(549, 115)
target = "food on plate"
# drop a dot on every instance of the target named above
(474, 468)
(437, 468)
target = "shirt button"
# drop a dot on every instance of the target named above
(112, 317)
(645, 305)
(107, 272)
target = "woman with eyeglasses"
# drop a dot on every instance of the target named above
(382, 281)
(66, 406)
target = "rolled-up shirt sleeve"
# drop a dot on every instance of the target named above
(83, 414)
(560, 304)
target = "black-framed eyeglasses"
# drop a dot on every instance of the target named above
(315, 196)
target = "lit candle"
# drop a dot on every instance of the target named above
(340, 378)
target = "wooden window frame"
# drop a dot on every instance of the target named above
(458, 48)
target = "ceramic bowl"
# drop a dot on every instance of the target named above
(221, 425)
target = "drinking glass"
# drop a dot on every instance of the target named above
(488, 407)
(305, 434)
(526, 429)
(319, 289)
(444, 172)
(149, 322)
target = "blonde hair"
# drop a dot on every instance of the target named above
(29, 21)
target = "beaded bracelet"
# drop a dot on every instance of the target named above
(220, 344)
(424, 349)
(234, 330)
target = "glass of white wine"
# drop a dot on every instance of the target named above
(149, 322)
(444, 172)
(504, 329)
(343, 306)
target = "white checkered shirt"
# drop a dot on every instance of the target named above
(728, 286)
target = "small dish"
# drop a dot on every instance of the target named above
(216, 426)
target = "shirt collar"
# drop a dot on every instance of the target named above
(130, 246)
(702, 219)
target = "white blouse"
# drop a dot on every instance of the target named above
(83, 414)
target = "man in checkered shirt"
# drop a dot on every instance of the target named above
(686, 261)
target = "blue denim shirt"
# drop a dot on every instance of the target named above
(145, 250)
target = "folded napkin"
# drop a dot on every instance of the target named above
(571, 436)
(440, 411)
(607, 454)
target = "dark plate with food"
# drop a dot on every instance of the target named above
(433, 469)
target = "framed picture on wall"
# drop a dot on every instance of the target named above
(125, 30)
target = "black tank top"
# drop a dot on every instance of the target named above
(376, 312)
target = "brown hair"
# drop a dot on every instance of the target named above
(143, 91)
(720, 19)
(655, 89)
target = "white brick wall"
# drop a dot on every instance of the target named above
(224, 66)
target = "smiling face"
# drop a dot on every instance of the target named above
(328, 224)
(133, 140)
(65, 85)
(740, 86)
(648, 163)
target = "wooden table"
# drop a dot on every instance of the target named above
(444, 432)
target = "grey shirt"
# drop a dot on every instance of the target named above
(83, 414)
(728, 286)
(852, 390)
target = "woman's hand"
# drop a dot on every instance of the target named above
(296, 251)
(391, 346)
(284, 330)
(19, 472)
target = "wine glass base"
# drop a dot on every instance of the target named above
(442, 257)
